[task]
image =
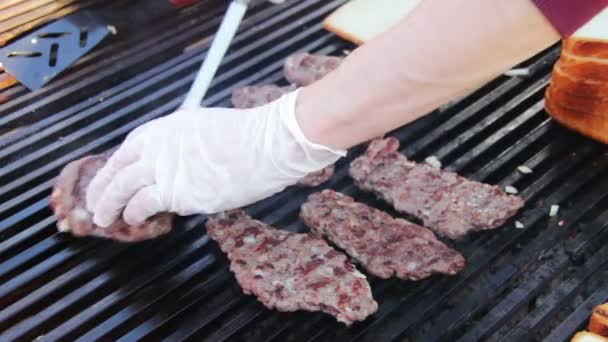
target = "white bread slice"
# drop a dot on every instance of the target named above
(577, 96)
(591, 40)
(585, 122)
(361, 20)
(577, 102)
(578, 86)
(595, 29)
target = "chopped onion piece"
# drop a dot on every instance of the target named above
(249, 239)
(326, 272)
(519, 225)
(433, 161)
(359, 275)
(517, 72)
(554, 210)
(524, 169)
(511, 190)
(62, 226)
(112, 29)
(289, 285)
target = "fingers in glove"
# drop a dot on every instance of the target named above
(144, 204)
(127, 154)
(121, 189)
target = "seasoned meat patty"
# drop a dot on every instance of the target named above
(304, 68)
(384, 246)
(68, 203)
(288, 271)
(254, 96)
(445, 202)
(319, 177)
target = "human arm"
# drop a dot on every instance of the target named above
(442, 50)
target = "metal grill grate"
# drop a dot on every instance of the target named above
(538, 282)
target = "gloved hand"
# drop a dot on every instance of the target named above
(205, 161)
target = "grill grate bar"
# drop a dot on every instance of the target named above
(62, 284)
(472, 113)
(246, 313)
(565, 293)
(222, 301)
(27, 256)
(54, 124)
(499, 117)
(517, 298)
(517, 127)
(113, 64)
(517, 264)
(530, 143)
(119, 320)
(577, 320)
(130, 289)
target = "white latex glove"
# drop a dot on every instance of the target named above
(206, 161)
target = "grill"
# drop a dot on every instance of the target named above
(519, 284)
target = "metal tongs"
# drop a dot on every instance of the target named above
(219, 46)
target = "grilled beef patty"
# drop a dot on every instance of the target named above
(304, 68)
(68, 203)
(445, 202)
(288, 271)
(384, 246)
(255, 96)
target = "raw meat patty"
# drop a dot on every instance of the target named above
(68, 203)
(445, 202)
(254, 96)
(384, 246)
(288, 271)
(304, 68)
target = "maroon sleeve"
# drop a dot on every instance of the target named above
(569, 15)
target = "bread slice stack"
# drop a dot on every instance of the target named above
(577, 96)
(598, 324)
(361, 20)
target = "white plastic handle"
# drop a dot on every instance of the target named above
(219, 46)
